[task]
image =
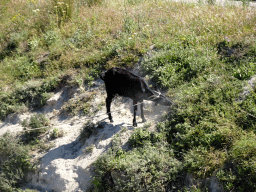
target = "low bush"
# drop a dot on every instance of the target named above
(35, 121)
(87, 131)
(202, 162)
(33, 95)
(239, 173)
(146, 168)
(15, 162)
(81, 105)
(174, 65)
(142, 137)
(56, 133)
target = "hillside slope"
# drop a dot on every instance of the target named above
(66, 167)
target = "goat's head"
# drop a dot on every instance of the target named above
(161, 99)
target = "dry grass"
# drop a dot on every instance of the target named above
(126, 28)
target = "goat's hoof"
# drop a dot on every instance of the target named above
(111, 121)
(144, 120)
(134, 124)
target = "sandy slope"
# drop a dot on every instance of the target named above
(66, 167)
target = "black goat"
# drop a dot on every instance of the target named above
(121, 82)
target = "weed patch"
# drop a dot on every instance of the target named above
(81, 105)
(148, 167)
(35, 121)
(204, 162)
(14, 161)
(176, 65)
(142, 137)
(89, 129)
(33, 95)
(246, 119)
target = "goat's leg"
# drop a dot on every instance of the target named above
(108, 104)
(134, 113)
(142, 112)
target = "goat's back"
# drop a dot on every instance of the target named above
(124, 83)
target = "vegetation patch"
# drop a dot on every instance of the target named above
(142, 137)
(89, 128)
(82, 105)
(176, 64)
(33, 95)
(144, 168)
(240, 57)
(38, 124)
(15, 162)
(204, 162)
(56, 133)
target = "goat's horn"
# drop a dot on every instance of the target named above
(158, 93)
(154, 96)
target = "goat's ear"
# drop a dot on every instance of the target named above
(114, 71)
(142, 86)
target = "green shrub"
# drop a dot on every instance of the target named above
(33, 95)
(239, 174)
(244, 71)
(246, 117)
(203, 162)
(89, 149)
(87, 131)
(15, 162)
(35, 121)
(142, 137)
(227, 178)
(56, 133)
(175, 65)
(38, 120)
(244, 148)
(146, 168)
